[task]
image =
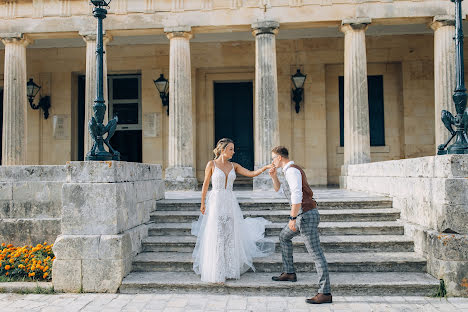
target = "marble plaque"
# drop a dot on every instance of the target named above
(152, 125)
(61, 127)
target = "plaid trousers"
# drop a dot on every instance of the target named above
(306, 225)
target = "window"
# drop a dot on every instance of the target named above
(376, 110)
(125, 101)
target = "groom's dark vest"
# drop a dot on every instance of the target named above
(308, 201)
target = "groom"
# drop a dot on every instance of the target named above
(303, 220)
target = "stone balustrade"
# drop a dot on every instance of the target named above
(30, 203)
(432, 194)
(96, 212)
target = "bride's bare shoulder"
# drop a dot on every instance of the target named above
(210, 164)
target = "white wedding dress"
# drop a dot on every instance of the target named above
(227, 243)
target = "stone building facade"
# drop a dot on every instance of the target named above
(378, 75)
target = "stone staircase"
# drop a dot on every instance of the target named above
(363, 241)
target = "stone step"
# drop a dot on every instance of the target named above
(337, 262)
(325, 228)
(281, 204)
(385, 214)
(260, 284)
(349, 243)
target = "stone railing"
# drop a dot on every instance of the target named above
(30, 203)
(106, 208)
(432, 194)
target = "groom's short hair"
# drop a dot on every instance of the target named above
(281, 150)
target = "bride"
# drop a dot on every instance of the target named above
(226, 242)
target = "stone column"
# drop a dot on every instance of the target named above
(90, 96)
(180, 174)
(266, 98)
(444, 72)
(356, 104)
(15, 100)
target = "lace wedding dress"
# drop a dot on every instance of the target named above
(226, 242)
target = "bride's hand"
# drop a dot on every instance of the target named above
(202, 208)
(272, 171)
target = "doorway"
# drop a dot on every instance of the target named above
(233, 110)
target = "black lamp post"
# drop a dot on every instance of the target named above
(460, 121)
(97, 130)
(298, 80)
(162, 84)
(44, 102)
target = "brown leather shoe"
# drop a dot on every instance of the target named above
(320, 298)
(285, 277)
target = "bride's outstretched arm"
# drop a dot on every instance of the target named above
(206, 183)
(246, 172)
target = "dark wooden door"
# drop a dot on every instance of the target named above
(234, 119)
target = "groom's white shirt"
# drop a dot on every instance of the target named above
(294, 178)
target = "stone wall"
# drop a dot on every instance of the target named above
(432, 194)
(106, 208)
(30, 203)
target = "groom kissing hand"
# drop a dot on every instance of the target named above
(303, 220)
(279, 162)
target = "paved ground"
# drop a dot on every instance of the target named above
(173, 303)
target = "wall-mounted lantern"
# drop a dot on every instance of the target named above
(44, 102)
(162, 84)
(298, 80)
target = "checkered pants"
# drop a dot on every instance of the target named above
(306, 225)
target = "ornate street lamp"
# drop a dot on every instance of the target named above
(44, 102)
(298, 80)
(97, 130)
(162, 84)
(460, 121)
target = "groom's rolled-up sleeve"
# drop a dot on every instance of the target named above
(294, 178)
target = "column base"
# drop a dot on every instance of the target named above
(343, 177)
(263, 182)
(181, 179)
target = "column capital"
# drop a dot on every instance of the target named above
(16, 38)
(91, 36)
(355, 24)
(265, 27)
(178, 32)
(442, 21)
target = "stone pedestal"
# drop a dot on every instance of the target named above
(356, 106)
(180, 174)
(266, 126)
(15, 100)
(91, 85)
(106, 208)
(444, 72)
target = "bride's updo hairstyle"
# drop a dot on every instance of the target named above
(221, 146)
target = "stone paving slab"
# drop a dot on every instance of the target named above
(203, 302)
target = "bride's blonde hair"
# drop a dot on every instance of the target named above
(221, 146)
